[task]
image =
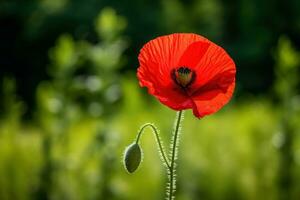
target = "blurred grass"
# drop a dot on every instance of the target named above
(232, 153)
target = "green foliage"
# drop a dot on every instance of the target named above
(233, 153)
(286, 87)
(109, 25)
(84, 73)
(71, 110)
(287, 69)
(20, 145)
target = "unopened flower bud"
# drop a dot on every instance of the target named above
(132, 157)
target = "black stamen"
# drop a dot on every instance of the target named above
(183, 76)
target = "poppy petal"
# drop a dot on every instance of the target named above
(213, 71)
(212, 100)
(193, 54)
(166, 51)
(157, 58)
(215, 62)
(166, 94)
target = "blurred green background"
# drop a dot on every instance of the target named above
(70, 101)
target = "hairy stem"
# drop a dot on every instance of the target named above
(174, 148)
(158, 140)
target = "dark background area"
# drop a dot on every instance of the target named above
(249, 30)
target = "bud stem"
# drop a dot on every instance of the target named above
(170, 165)
(158, 140)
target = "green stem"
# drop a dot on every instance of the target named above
(174, 149)
(158, 140)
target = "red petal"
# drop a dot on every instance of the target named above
(169, 95)
(211, 101)
(215, 81)
(214, 69)
(213, 64)
(166, 51)
(157, 58)
(193, 54)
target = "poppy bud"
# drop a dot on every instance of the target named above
(132, 157)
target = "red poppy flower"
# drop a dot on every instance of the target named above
(187, 71)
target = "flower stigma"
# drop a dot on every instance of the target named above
(183, 76)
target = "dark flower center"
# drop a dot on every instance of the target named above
(183, 76)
